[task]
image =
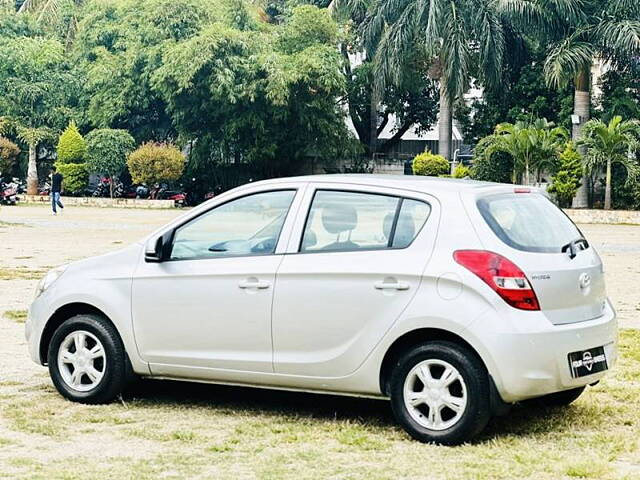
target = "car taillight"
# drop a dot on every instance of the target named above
(502, 275)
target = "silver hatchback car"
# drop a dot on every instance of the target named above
(452, 298)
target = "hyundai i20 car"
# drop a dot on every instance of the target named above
(451, 298)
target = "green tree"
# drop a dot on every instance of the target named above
(606, 144)
(71, 147)
(491, 165)
(9, 152)
(430, 164)
(108, 150)
(566, 181)
(253, 98)
(76, 176)
(523, 95)
(156, 162)
(119, 45)
(577, 32)
(38, 93)
(446, 32)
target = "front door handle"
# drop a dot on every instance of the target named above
(386, 285)
(254, 283)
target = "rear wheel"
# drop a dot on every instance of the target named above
(87, 361)
(561, 399)
(440, 393)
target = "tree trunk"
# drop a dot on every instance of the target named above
(581, 108)
(445, 124)
(373, 123)
(607, 187)
(32, 171)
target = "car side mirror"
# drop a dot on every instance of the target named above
(159, 249)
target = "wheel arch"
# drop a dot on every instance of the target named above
(60, 316)
(411, 339)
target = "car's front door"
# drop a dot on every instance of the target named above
(209, 304)
(358, 262)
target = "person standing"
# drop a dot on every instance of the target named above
(56, 189)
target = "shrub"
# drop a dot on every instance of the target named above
(566, 181)
(9, 152)
(156, 162)
(490, 165)
(461, 171)
(108, 150)
(76, 177)
(71, 148)
(430, 164)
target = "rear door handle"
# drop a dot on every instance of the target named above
(391, 286)
(254, 283)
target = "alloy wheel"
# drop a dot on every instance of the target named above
(435, 394)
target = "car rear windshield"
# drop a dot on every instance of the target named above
(528, 221)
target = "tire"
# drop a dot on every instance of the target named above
(561, 399)
(111, 371)
(470, 384)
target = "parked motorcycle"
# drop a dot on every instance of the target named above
(103, 189)
(8, 194)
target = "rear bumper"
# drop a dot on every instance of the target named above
(532, 360)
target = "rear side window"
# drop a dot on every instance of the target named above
(528, 222)
(341, 221)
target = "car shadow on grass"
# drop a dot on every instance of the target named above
(261, 400)
(527, 419)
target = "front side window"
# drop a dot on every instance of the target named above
(350, 221)
(528, 222)
(249, 225)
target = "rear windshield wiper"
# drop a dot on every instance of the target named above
(571, 246)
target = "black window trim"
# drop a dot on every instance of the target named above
(296, 190)
(389, 246)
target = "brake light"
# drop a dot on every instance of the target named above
(502, 275)
(521, 190)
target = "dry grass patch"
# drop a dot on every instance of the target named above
(22, 273)
(18, 316)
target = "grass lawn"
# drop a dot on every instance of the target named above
(177, 430)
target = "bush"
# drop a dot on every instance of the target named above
(489, 165)
(76, 177)
(9, 152)
(71, 148)
(430, 164)
(461, 171)
(566, 181)
(108, 150)
(156, 162)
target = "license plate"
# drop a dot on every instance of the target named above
(587, 362)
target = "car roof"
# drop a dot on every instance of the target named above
(406, 182)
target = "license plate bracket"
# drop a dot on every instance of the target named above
(587, 362)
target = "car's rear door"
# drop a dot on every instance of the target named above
(353, 265)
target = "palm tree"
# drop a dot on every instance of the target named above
(33, 137)
(533, 146)
(452, 33)
(578, 32)
(606, 144)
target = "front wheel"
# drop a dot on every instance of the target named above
(87, 361)
(440, 393)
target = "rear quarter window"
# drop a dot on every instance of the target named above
(528, 222)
